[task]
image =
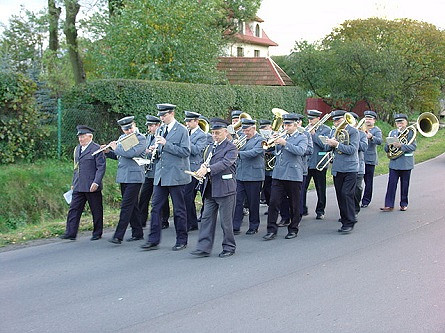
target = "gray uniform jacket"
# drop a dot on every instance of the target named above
(250, 164)
(406, 160)
(289, 160)
(88, 169)
(309, 151)
(128, 171)
(346, 155)
(362, 147)
(371, 153)
(198, 142)
(319, 149)
(174, 158)
(222, 169)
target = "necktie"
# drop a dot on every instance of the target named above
(166, 132)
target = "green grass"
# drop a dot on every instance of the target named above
(32, 206)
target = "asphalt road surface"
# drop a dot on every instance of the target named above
(386, 276)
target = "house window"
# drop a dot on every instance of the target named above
(256, 53)
(239, 52)
(257, 30)
(240, 27)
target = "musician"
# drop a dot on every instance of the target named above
(362, 147)
(235, 116)
(319, 151)
(219, 192)
(344, 170)
(287, 176)
(374, 135)
(170, 178)
(152, 124)
(198, 142)
(266, 132)
(400, 167)
(86, 185)
(249, 178)
(130, 176)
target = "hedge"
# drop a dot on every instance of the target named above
(101, 103)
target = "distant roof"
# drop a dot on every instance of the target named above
(250, 38)
(253, 71)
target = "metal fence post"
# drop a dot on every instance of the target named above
(59, 128)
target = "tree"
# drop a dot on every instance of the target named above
(393, 65)
(54, 15)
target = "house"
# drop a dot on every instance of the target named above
(247, 61)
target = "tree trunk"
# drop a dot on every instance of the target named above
(72, 8)
(54, 14)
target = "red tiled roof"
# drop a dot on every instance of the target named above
(253, 71)
(250, 38)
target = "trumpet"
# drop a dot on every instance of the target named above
(240, 142)
(272, 141)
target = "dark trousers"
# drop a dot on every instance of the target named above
(369, 181)
(76, 208)
(285, 205)
(344, 183)
(224, 208)
(358, 192)
(250, 191)
(393, 179)
(190, 192)
(144, 199)
(267, 188)
(280, 190)
(129, 211)
(320, 186)
(160, 196)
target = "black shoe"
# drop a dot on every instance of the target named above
(283, 223)
(149, 246)
(132, 239)
(165, 225)
(236, 232)
(200, 253)
(345, 230)
(225, 254)
(95, 238)
(339, 220)
(193, 228)
(115, 240)
(67, 237)
(269, 236)
(179, 247)
(266, 213)
(320, 217)
(364, 206)
(251, 231)
(291, 235)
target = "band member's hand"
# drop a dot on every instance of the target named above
(160, 140)
(94, 187)
(368, 135)
(106, 150)
(397, 144)
(280, 141)
(202, 171)
(313, 132)
(150, 149)
(72, 187)
(113, 145)
(332, 142)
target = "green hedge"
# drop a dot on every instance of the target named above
(100, 103)
(20, 129)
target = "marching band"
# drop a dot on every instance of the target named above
(238, 167)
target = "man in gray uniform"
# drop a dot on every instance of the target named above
(319, 151)
(130, 176)
(174, 151)
(401, 166)
(198, 142)
(374, 135)
(219, 192)
(344, 169)
(249, 177)
(287, 176)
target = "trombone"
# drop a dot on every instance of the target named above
(320, 122)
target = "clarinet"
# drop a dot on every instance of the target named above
(154, 153)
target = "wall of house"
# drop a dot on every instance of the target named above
(249, 50)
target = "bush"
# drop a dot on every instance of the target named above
(20, 128)
(101, 103)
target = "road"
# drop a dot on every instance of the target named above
(386, 276)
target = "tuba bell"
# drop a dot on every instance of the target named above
(203, 125)
(278, 119)
(341, 134)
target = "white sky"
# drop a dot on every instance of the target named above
(286, 21)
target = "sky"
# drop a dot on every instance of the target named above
(287, 21)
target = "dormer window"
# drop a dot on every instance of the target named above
(257, 30)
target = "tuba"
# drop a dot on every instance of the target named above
(341, 134)
(426, 124)
(277, 122)
(203, 125)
